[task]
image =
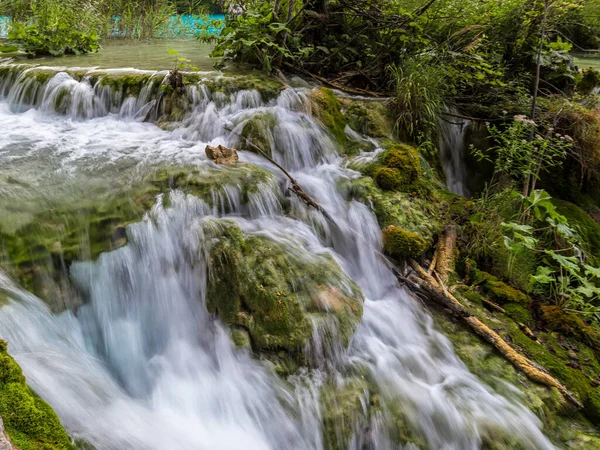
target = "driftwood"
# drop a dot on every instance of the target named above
(422, 282)
(295, 188)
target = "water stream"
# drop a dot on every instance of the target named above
(142, 365)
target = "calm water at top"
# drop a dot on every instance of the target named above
(153, 55)
(588, 61)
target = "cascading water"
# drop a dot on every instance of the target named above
(143, 365)
(452, 146)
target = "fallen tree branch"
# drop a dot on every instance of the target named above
(446, 249)
(295, 188)
(423, 283)
(332, 84)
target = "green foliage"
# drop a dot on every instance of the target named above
(520, 153)
(30, 422)
(57, 27)
(139, 19)
(564, 276)
(418, 97)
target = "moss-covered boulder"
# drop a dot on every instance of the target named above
(29, 421)
(278, 294)
(423, 215)
(388, 179)
(353, 405)
(371, 118)
(401, 243)
(328, 110)
(405, 159)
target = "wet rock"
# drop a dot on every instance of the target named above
(222, 155)
(5, 443)
(276, 294)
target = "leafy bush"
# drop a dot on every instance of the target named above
(58, 27)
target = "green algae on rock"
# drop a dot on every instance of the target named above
(276, 295)
(30, 422)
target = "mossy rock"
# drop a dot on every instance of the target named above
(258, 129)
(419, 214)
(354, 404)
(368, 117)
(565, 427)
(388, 179)
(30, 422)
(268, 87)
(405, 159)
(328, 110)
(276, 294)
(401, 243)
(129, 83)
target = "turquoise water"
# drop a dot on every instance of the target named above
(181, 26)
(3, 26)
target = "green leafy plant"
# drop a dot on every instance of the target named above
(521, 153)
(563, 277)
(57, 27)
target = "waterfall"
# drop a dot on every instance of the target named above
(143, 365)
(453, 147)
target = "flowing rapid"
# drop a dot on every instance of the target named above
(142, 364)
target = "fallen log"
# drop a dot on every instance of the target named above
(422, 282)
(446, 249)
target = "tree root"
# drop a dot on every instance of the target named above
(422, 282)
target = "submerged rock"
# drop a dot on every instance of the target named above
(277, 293)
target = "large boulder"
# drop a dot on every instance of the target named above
(278, 292)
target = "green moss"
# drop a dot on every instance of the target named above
(388, 179)
(420, 215)
(328, 109)
(259, 130)
(400, 243)
(254, 283)
(29, 421)
(519, 313)
(571, 325)
(129, 83)
(498, 291)
(404, 158)
(368, 117)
